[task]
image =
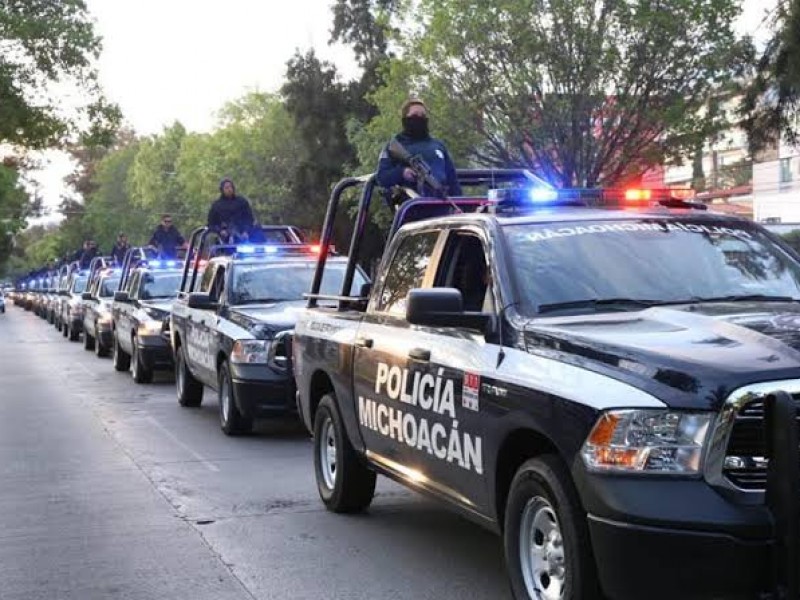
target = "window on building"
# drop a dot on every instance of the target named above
(786, 170)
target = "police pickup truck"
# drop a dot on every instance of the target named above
(141, 305)
(97, 320)
(71, 306)
(233, 332)
(586, 373)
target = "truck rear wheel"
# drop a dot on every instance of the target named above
(547, 546)
(344, 482)
(190, 390)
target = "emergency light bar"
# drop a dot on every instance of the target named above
(515, 199)
(261, 250)
(160, 264)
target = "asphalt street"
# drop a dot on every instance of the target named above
(109, 489)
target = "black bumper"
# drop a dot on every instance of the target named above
(675, 538)
(261, 391)
(155, 353)
(634, 561)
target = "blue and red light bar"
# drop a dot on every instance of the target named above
(264, 250)
(541, 196)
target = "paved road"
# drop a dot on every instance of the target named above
(111, 490)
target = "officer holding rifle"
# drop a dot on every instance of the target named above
(414, 159)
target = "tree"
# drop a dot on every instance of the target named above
(584, 92)
(44, 43)
(319, 104)
(256, 145)
(153, 180)
(770, 106)
(15, 207)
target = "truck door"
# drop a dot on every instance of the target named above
(124, 316)
(200, 329)
(385, 364)
(460, 362)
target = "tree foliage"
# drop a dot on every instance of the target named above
(585, 92)
(770, 106)
(47, 47)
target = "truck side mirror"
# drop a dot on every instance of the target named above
(122, 296)
(442, 307)
(86, 296)
(201, 301)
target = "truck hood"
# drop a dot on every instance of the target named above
(690, 356)
(160, 305)
(265, 320)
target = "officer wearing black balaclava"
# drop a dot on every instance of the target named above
(416, 138)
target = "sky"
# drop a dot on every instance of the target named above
(164, 60)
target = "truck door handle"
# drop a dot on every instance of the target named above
(364, 342)
(420, 354)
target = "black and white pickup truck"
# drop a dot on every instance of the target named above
(588, 380)
(232, 320)
(141, 306)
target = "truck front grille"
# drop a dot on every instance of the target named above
(745, 464)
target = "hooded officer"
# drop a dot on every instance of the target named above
(230, 212)
(416, 138)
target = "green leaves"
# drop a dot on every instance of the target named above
(47, 47)
(586, 92)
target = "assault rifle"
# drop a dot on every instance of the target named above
(422, 170)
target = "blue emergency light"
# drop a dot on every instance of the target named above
(158, 264)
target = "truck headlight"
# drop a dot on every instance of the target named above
(647, 441)
(147, 328)
(249, 351)
(104, 318)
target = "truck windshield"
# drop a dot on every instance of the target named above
(629, 265)
(108, 287)
(79, 285)
(160, 285)
(272, 282)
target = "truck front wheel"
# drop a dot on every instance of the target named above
(344, 482)
(547, 546)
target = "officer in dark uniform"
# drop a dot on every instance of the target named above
(89, 252)
(120, 248)
(231, 214)
(416, 138)
(166, 238)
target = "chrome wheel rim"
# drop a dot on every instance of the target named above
(327, 454)
(541, 550)
(225, 399)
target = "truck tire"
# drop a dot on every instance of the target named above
(99, 349)
(122, 360)
(231, 420)
(190, 390)
(141, 373)
(88, 341)
(344, 482)
(546, 538)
